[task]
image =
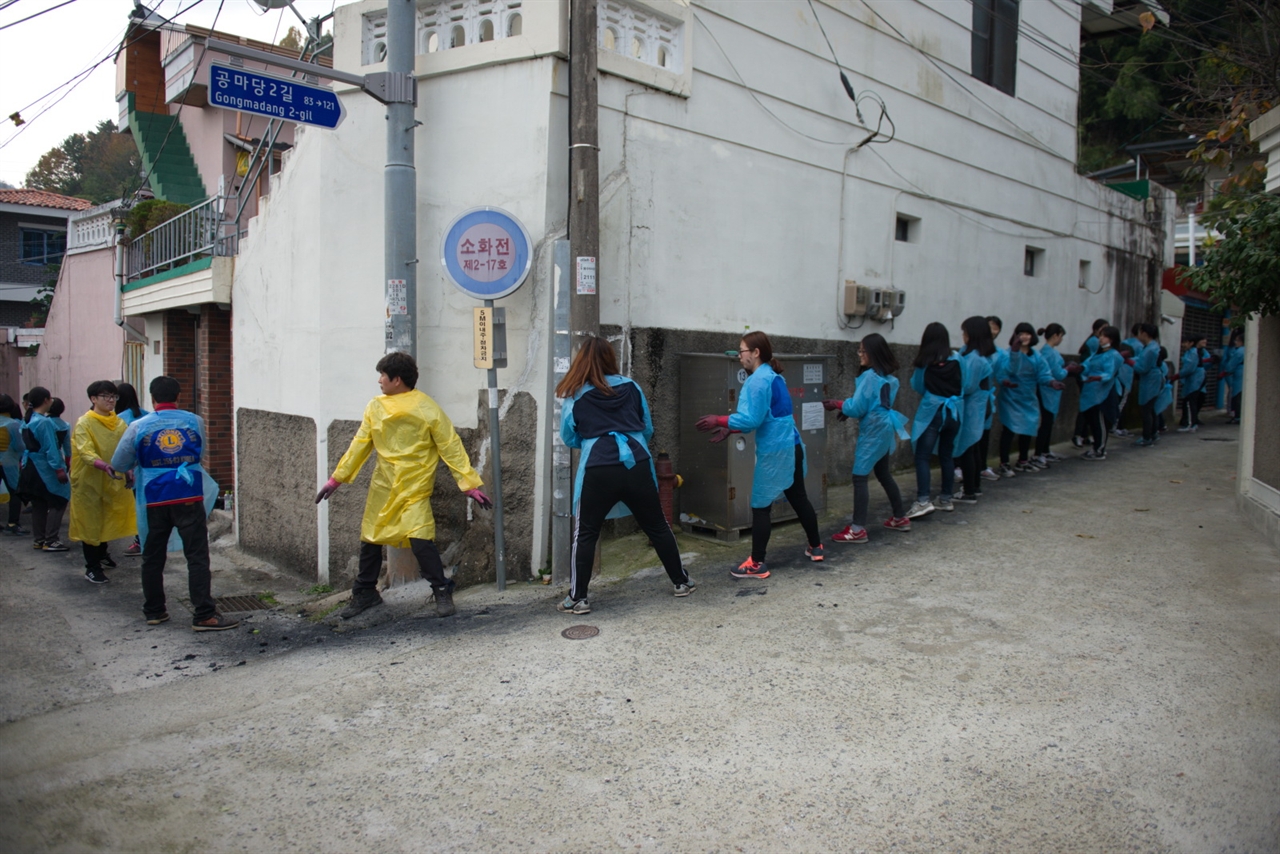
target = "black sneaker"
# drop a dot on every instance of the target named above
(965, 499)
(55, 545)
(444, 602)
(360, 602)
(96, 575)
(108, 562)
(216, 623)
(157, 620)
(16, 529)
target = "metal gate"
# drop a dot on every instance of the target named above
(1201, 321)
(135, 354)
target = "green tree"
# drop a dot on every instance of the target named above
(1242, 270)
(100, 166)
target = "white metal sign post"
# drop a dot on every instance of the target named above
(487, 253)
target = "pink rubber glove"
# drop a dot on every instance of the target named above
(707, 423)
(61, 475)
(833, 405)
(329, 488)
(1057, 385)
(1008, 383)
(104, 466)
(1075, 368)
(1093, 379)
(128, 480)
(480, 498)
(720, 434)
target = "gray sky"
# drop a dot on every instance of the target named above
(38, 55)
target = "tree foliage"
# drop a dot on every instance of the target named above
(146, 215)
(100, 166)
(1242, 270)
(1211, 71)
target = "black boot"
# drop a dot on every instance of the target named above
(444, 602)
(361, 601)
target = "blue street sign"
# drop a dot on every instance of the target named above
(486, 252)
(252, 91)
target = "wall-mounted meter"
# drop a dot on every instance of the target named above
(857, 299)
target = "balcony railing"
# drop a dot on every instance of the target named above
(196, 233)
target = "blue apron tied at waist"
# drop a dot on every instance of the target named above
(625, 455)
(899, 422)
(184, 473)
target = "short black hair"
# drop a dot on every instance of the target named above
(996, 320)
(98, 387)
(57, 408)
(8, 407)
(1151, 329)
(1026, 328)
(399, 366)
(165, 390)
(979, 332)
(37, 396)
(1113, 335)
(128, 400)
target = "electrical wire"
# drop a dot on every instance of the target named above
(79, 78)
(853, 96)
(36, 15)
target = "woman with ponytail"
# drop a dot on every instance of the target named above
(1050, 397)
(764, 405)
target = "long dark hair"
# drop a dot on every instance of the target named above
(1021, 328)
(35, 399)
(8, 407)
(595, 360)
(1112, 334)
(1051, 330)
(979, 334)
(757, 340)
(1098, 326)
(880, 357)
(128, 399)
(1237, 335)
(935, 345)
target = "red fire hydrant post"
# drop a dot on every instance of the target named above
(668, 480)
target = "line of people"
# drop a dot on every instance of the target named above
(123, 472)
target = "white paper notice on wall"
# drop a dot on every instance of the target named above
(586, 275)
(562, 364)
(811, 416)
(812, 374)
(397, 297)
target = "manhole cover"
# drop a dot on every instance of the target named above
(238, 604)
(580, 632)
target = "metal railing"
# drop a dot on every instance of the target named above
(193, 234)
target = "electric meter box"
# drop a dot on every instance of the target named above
(716, 494)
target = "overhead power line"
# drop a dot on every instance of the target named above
(36, 15)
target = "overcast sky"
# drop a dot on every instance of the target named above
(41, 54)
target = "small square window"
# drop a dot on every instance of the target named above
(1083, 281)
(41, 247)
(1033, 261)
(906, 229)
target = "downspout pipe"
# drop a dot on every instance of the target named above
(120, 244)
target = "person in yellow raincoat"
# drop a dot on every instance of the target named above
(412, 435)
(101, 503)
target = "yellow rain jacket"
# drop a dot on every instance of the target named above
(101, 508)
(412, 435)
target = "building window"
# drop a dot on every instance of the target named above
(995, 43)
(41, 247)
(906, 229)
(1083, 281)
(515, 25)
(1033, 261)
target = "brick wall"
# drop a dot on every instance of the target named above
(12, 269)
(179, 343)
(213, 382)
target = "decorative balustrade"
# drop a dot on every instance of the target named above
(196, 233)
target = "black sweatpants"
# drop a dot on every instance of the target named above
(1006, 445)
(430, 566)
(762, 525)
(982, 450)
(862, 493)
(1149, 420)
(1191, 406)
(93, 555)
(603, 487)
(193, 530)
(1097, 427)
(968, 461)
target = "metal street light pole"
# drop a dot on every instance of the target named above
(401, 190)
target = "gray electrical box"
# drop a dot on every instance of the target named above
(716, 494)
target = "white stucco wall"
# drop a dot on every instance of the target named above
(715, 214)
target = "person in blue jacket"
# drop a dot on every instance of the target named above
(1098, 375)
(1165, 399)
(879, 428)
(1022, 372)
(979, 403)
(167, 448)
(1150, 381)
(1087, 349)
(1050, 396)
(129, 410)
(11, 448)
(1232, 371)
(939, 379)
(764, 405)
(1192, 374)
(61, 427)
(44, 478)
(995, 360)
(605, 416)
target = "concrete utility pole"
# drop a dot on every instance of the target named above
(401, 191)
(584, 169)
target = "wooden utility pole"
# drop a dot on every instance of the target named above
(584, 170)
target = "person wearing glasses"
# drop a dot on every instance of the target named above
(764, 405)
(101, 504)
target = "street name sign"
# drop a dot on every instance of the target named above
(252, 91)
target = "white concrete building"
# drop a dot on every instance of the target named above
(739, 189)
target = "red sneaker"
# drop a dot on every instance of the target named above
(750, 569)
(898, 523)
(848, 535)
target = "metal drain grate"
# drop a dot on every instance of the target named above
(1216, 439)
(239, 604)
(580, 632)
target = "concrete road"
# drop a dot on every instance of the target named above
(1087, 660)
